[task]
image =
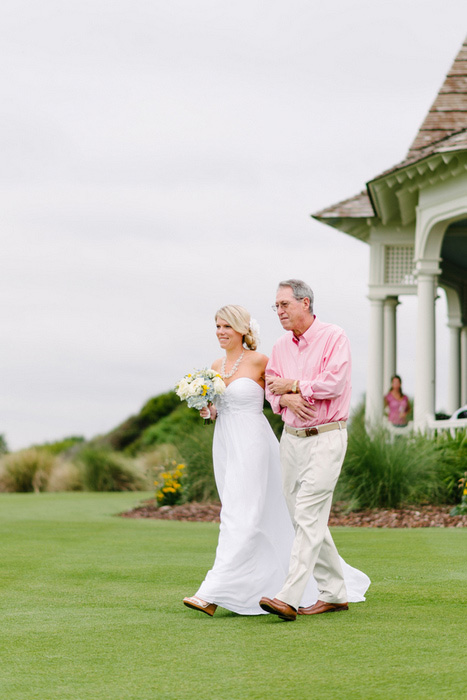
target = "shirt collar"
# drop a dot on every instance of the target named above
(308, 335)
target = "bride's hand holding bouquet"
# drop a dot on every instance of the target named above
(199, 389)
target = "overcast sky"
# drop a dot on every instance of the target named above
(161, 159)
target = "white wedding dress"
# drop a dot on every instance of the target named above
(256, 533)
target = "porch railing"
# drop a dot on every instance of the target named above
(452, 425)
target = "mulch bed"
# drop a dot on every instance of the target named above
(412, 516)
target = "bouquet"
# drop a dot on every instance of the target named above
(199, 388)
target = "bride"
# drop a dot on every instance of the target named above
(256, 533)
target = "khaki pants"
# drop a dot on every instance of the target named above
(310, 469)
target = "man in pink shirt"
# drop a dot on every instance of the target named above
(308, 383)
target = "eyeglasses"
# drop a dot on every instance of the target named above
(281, 305)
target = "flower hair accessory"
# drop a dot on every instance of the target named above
(254, 330)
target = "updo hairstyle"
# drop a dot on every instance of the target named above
(239, 318)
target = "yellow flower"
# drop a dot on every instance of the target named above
(205, 389)
(465, 492)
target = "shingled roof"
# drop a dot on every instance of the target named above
(448, 113)
(355, 207)
(444, 130)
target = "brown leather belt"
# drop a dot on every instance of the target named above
(316, 429)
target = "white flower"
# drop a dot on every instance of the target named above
(183, 389)
(196, 387)
(254, 329)
(218, 384)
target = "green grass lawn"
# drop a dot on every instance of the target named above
(91, 610)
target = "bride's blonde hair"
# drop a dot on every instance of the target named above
(239, 318)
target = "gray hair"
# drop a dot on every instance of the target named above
(300, 290)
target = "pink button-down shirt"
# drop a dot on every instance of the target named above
(320, 360)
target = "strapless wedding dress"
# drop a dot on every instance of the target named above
(256, 533)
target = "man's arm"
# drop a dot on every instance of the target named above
(332, 380)
(298, 405)
(273, 371)
(278, 393)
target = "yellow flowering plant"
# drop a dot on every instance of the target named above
(461, 508)
(169, 486)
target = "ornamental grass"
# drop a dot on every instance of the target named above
(382, 473)
(25, 471)
(105, 470)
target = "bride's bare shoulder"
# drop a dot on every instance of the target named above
(217, 364)
(259, 359)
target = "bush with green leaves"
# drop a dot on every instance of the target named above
(60, 446)
(106, 470)
(171, 428)
(127, 435)
(461, 508)
(452, 462)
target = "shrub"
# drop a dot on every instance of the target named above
(127, 435)
(59, 446)
(65, 476)
(461, 508)
(158, 407)
(275, 421)
(452, 462)
(379, 471)
(184, 429)
(196, 450)
(26, 471)
(3, 445)
(171, 428)
(105, 470)
(153, 460)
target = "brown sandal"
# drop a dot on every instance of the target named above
(198, 604)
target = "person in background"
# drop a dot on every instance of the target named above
(397, 403)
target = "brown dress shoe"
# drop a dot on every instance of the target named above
(278, 607)
(322, 607)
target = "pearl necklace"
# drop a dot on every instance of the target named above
(234, 368)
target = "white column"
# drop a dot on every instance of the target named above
(390, 339)
(374, 387)
(425, 359)
(454, 379)
(463, 400)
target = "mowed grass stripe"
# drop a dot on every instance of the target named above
(91, 608)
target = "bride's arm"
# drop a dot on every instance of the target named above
(211, 411)
(259, 366)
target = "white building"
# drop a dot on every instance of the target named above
(414, 218)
